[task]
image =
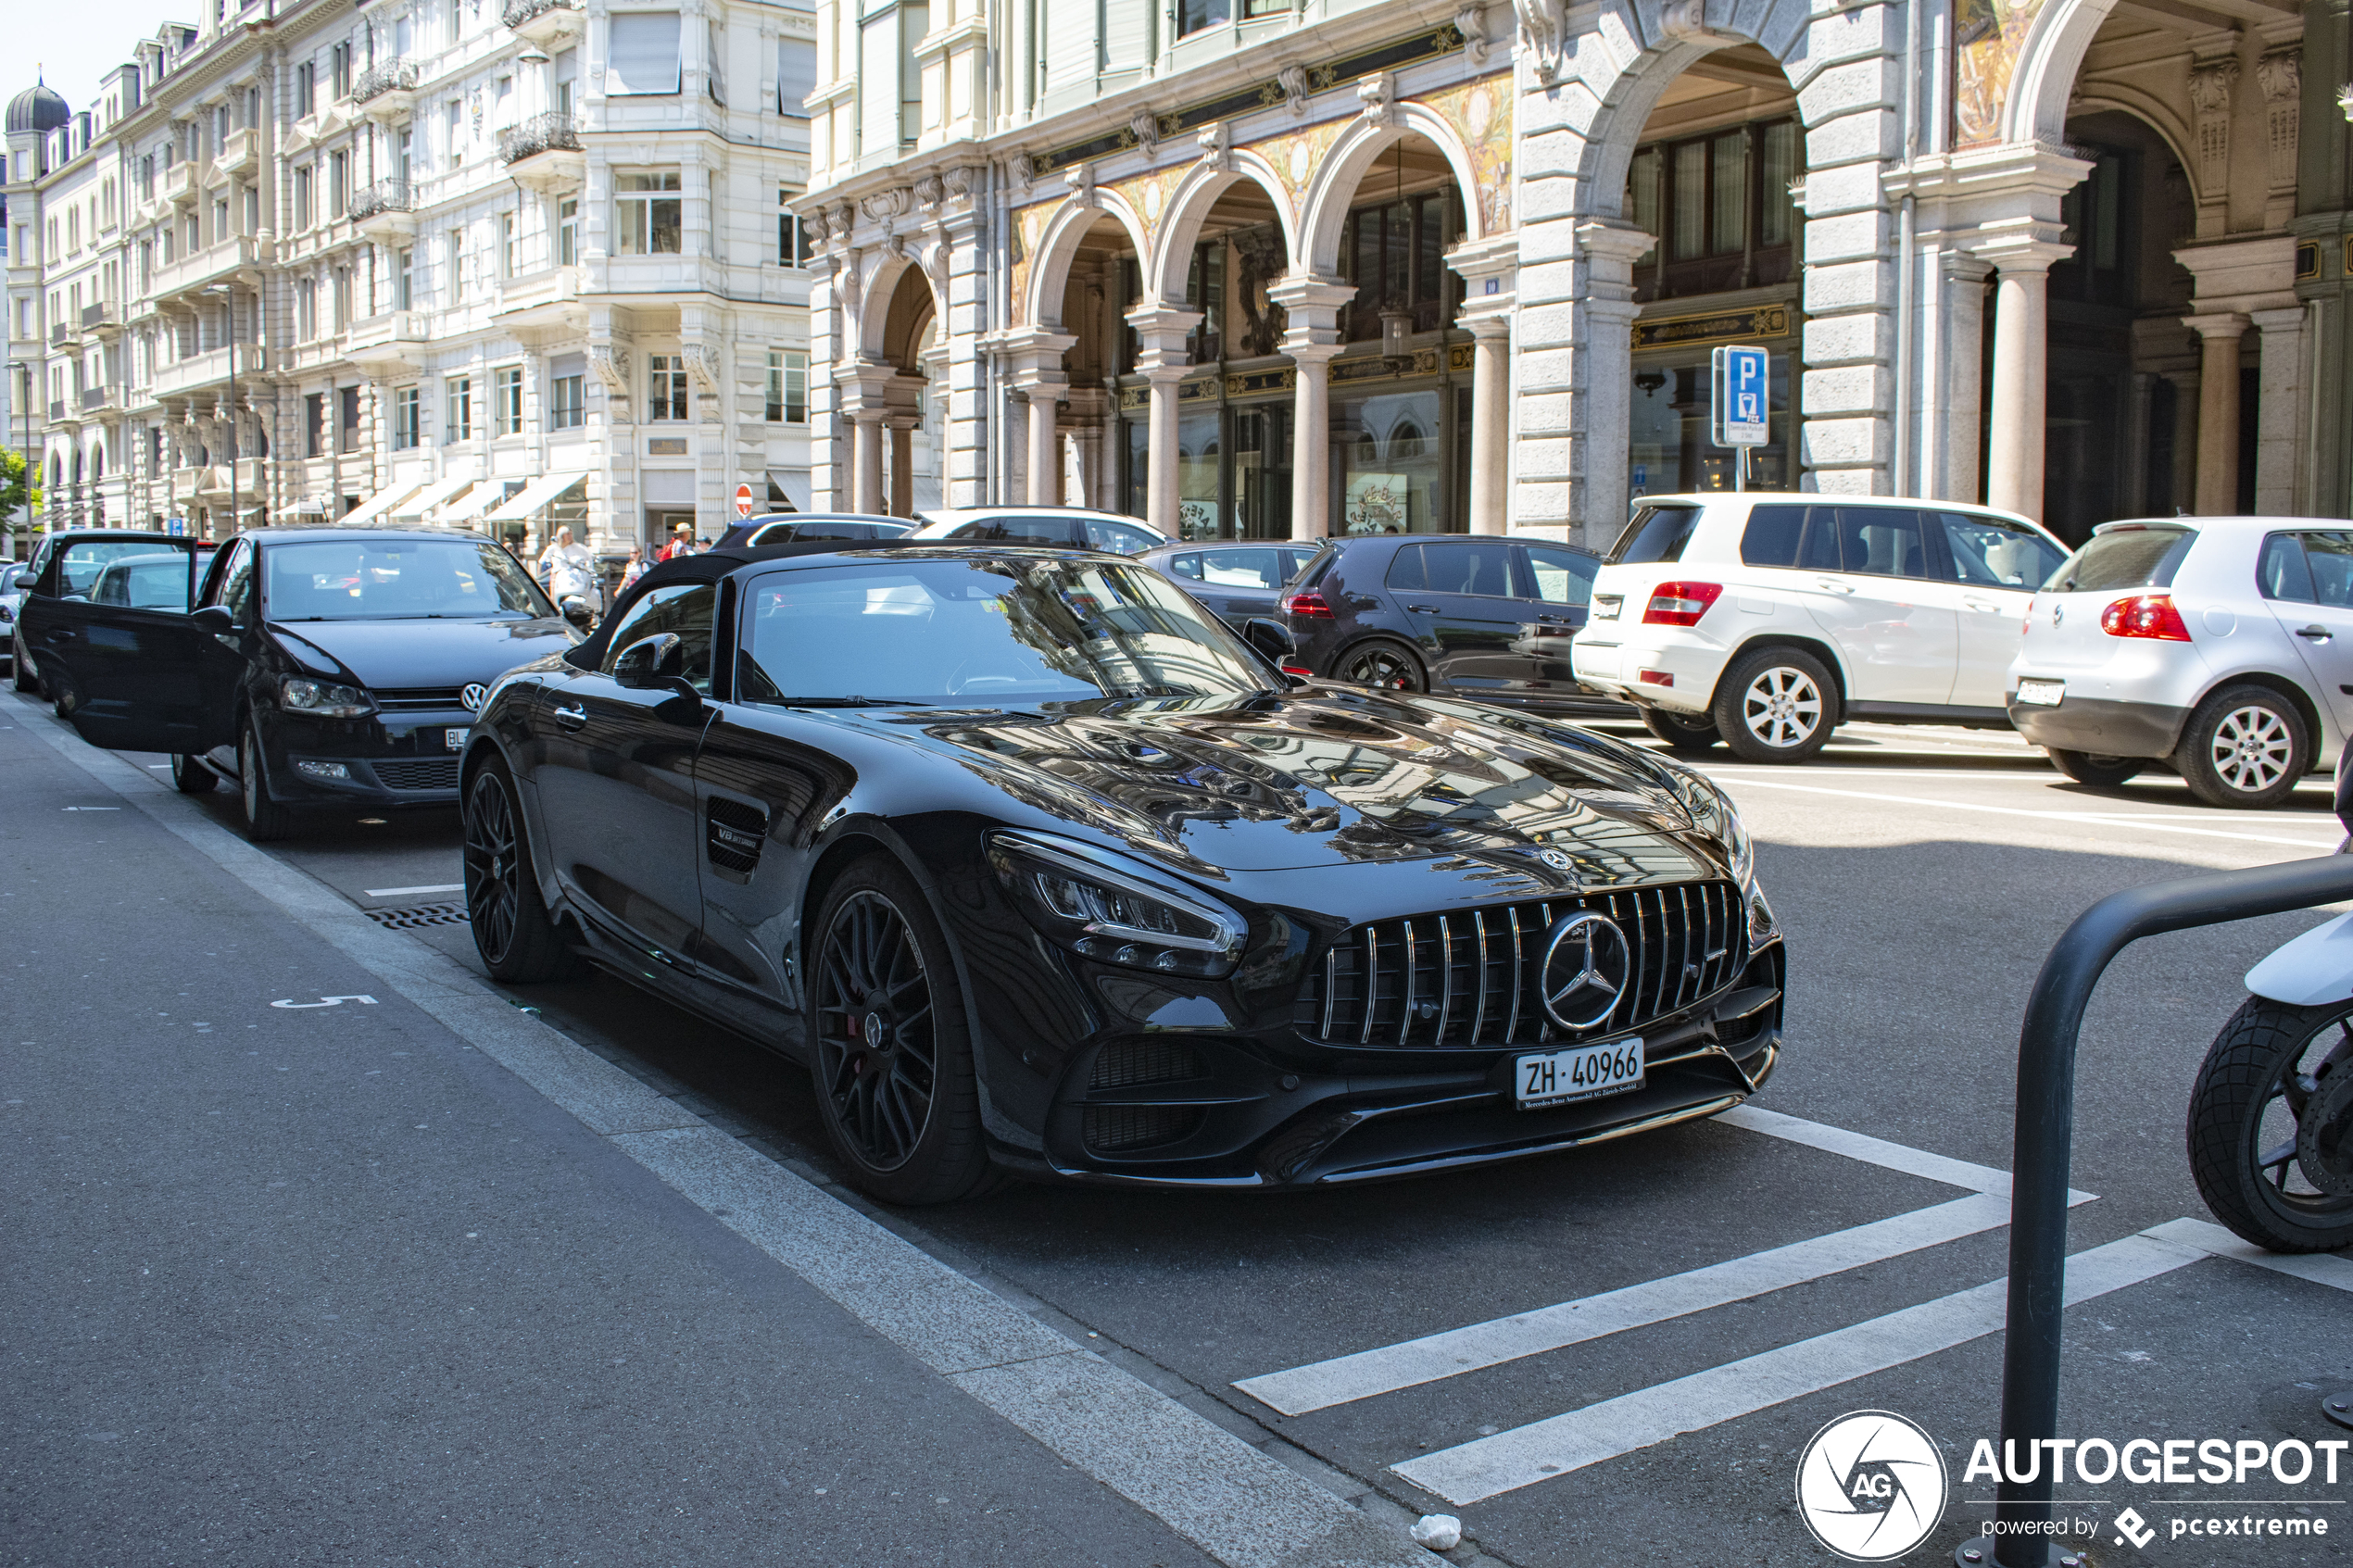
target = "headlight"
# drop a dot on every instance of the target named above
(1114, 915)
(1713, 813)
(323, 699)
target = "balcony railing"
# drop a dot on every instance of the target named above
(390, 76)
(60, 334)
(96, 397)
(57, 407)
(384, 195)
(99, 315)
(518, 12)
(540, 133)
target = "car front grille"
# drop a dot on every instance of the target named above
(431, 772)
(1110, 1128)
(416, 699)
(1469, 978)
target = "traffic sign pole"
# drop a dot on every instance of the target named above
(1739, 403)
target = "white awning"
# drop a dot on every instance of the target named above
(540, 492)
(470, 505)
(378, 504)
(799, 494)
(432, 496)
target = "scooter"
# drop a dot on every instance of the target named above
(2270, 1126)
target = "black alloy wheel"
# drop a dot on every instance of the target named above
(517, 940)
(1384, 662)
(2270, 1126)
(266, 821)
(192, 777)
(893, 1059)
(2100, 773)
(1686, 734)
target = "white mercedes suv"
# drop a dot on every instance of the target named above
(2211, 643)
(1766, 621)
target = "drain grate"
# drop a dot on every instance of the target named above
(419, 914)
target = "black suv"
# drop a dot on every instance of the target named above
(1484, 617)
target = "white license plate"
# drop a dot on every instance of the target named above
(455, 739)
(1606, 605)
(2041, 694)
(1565, 1077)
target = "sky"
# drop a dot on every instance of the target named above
(73, 48)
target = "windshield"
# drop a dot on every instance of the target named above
(1019, 630)
(396, 580)
(2139, 555)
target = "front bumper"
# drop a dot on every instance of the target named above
(397, 760)
(2100, 725)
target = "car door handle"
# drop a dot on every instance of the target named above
(1835, 587)
(1554, 620)
(1983, 608)
(572, 717)
(61, 634)
(2315, 634)
(1423, 610)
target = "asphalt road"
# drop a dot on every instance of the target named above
(472, 1326)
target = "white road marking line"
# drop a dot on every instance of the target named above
(411, 892)
(2101, 819)
(1234, 1503)
(1432, 1357)
(2320, 1268)
(1877, 1151)
(1489, 1466)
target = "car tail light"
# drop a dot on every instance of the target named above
(1680, 603)
(1656, 677)
(1299, 670)
(2150, 615)
(1311, 605)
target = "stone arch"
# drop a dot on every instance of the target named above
(1058, 247)
(1324, 205)
(2048, 62)
(875, 292)
(1619, 117)
(1188, 208)
(2151, 111)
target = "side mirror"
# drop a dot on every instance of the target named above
(214, 619)
(651, 663)
(22, 582)
(575, 610)
(1271, 638)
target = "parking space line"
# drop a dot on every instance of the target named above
(413, 892)
(1877, 1151)
(2320, 1268)
(1432, 1357)
(2102, 819)
(1489, 1466)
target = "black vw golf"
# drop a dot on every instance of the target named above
(321, 666)
(1037, 868)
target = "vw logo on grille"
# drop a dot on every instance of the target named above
(1588, 965)
(473, 696)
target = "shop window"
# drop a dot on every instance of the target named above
(1721, 208)
(1395, 254)
(1205, 292)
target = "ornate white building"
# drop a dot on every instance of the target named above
(1263, 267)
(426, 262)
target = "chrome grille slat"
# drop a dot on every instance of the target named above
(1331, 987)
(1372, 981)
(1478, 1014)
(1406, 1013)
(1445, 976)
(1511, 1024)
(1683, 973)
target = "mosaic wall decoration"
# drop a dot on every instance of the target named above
(1298, 155)
(1480, 113)
(1989, 34)
(1148, 195)
(1029, 229)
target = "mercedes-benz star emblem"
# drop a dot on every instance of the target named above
(1555, 858)
(473, 696)
(1588, 965)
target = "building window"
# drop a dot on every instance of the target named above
(220, 220)
(347, 430)
(1395, 254)
(339, 70)
(407, 425)
(650, 219)
(457, 266)
(306, 90)
(404, 274)
(452, 114)
(506, 244)
(788, 387)
(793, 248)
(338, 183)
(506, 401)
(343, 297)
(643, 53)
(567, 231)
(459, 394)
(302, 213)
(305, 312)
(314, 425)
(567, 407)
(666, 389)
(1720, 207)
(1193, 16)
(567, 72)
(253, 210)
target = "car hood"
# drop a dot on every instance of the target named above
(411, 653)
(1321, 778)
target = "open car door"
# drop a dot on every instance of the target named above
(147, 676)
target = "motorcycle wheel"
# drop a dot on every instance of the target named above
(2270, 1126)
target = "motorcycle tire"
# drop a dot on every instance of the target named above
(2270, 1126)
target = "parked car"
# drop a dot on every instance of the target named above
(2221, 645)
(1073, 526)
(1237, 582)
(784, 528)
(322, 667)
(11, 596)
(1768, 620)
(1483, 617)
(66, 567)
(1028, 828)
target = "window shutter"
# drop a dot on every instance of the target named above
(1126, 35)
(1070, 42)
(645, 53)
(796, 76)
(878, 84)
(716, 64)
(562, 365)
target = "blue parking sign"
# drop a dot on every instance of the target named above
(1742, 389)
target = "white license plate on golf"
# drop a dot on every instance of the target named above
(2041, 694)
(455, 739)
(1564, 1077)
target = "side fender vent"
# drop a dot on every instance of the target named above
(733, 832)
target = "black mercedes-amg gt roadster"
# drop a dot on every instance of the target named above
(1039, 869)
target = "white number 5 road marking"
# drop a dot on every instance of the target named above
(326, 1002)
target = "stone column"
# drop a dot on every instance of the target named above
(2279, 410)
(1491, 424)
(1311, 341)
(1035, 358)
(1611, 250)
(2021, 374)
(2217, 411)
(902, 464)
(1950, 387)
(1164, 359)
(866, 432)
